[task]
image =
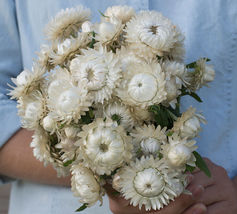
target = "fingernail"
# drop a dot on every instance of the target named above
(200, 209)
(197, 191)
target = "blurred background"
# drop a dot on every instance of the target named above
(4, 198)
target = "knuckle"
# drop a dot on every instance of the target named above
(221, 170)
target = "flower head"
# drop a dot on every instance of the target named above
(119, 112)
(67, 23)
(100, 70)
(85, 186)
(179, 152)
(143, 84)
(31, 109)
(27, 81)
(68, 49)
(149, 139)
(149, 33)
(188, 125)
(104, 146)
(201, 76)
(123, 13)
(66, 100)
(148, 182)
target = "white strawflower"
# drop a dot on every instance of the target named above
(201, 76)
(67, 148)
(188, 125)
(105, 146)
(108, 33)
(147, 182)
(179, 152)
(67, 101)
(87, 27)
(123, 13)
(149, 139)
(68, 49)
(27, 81)
(121, 113)
(31, 109)
(177, 53)
(100, 70)
(49, 124)
(149, 33)
(40, 145)
(173, 68)
(143, 84)
(67, 23)
(44, 59)
(140, 115)
(85, 186)
(44, 151)
(71, 131)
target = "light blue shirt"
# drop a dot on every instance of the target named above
(211, 31)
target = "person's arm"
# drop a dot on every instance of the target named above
(17, 161)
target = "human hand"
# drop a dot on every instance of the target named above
(119, 205)
(220, 194)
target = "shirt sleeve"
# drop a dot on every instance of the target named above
(10, 66)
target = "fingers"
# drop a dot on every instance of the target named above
(220, 208)
(212, 195)
(184, 201)
(196, 209)
(201, 179)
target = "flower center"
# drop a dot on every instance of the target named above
(149, 182)
(103, 147)
(142, 87)
(68, 100)
(90, 74)
(153, 29)
(150, 146)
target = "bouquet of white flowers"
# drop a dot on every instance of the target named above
(103, 100)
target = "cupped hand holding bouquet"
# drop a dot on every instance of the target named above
(103, 100)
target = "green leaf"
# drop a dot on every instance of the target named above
(102, 14)
(116, 193)
(91, 113)
(160, 156)
(193, 95)
(83, 207)
(201, 164)
(163, 116)
(170, 133)
(91, 45)
(69, 162)
(158, 58)
(62, 125)
(88, 117)
(184, 92)
(117, 118)
(189, 168)
(191, 65)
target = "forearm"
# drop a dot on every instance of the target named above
(17, 161)
(235, 182)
